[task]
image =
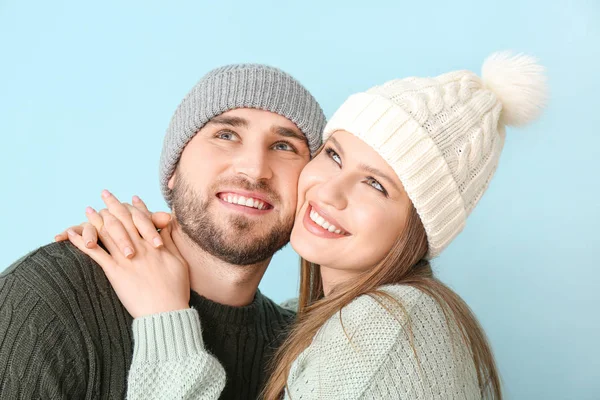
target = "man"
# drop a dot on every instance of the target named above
(229, 168)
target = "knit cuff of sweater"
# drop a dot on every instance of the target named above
(168, 336)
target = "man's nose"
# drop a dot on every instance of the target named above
(254, 164)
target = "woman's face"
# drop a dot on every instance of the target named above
(351, 206)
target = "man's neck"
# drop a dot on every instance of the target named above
(221, 282)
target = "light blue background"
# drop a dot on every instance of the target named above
(87, 90)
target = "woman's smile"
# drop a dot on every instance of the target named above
(317, 222)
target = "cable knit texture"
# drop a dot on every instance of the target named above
(443, 136)
(366, 352)
(64, 334)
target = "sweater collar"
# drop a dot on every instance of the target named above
(230, 315)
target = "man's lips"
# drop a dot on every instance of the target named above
(244, 200)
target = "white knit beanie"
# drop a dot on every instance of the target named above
(443, 136)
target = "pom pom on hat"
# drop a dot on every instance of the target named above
(519, 82)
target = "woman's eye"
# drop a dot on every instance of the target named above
(373, 182)
(334, 156)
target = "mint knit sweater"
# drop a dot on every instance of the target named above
(365, 354)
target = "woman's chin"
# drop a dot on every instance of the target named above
(304, 248)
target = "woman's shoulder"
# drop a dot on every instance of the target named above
(393, 300)
(398, 328)
(375, 311)
(387, 312)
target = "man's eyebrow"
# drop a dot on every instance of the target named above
(289, 133)
(235, 122)
(368, 168)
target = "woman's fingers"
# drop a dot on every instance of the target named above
(159, 219)
(94, 218)
(120, 226)
(61, 237)
(98, 254)
(121, 212)
(114, 235)
(145, 227)
(140, 205)
(89, 235)
(165, 234)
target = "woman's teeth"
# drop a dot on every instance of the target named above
(319, 220)
(243, 201)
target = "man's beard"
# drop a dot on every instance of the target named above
(223, 242)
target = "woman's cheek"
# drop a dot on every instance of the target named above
(374, 221)
(302, 188)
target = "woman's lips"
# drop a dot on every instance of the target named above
(318, 230)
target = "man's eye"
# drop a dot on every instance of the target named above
(283, 146)
(225, 135)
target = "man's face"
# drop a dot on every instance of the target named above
(235, 187)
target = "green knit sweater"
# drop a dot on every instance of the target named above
(366, 352)
(64, 333)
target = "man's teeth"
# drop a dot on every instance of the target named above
(244, 201)
(323, 223)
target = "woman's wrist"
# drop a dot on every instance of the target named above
(167, 336)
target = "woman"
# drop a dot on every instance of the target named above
(403, 166)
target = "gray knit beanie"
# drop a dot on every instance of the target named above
(239, 86)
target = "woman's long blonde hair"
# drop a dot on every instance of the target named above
(405, 264)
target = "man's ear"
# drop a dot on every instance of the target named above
(171, 182)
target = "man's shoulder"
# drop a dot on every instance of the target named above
(58, 256)
(56, 270)
(59, 317)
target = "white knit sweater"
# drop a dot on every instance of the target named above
(365, 354)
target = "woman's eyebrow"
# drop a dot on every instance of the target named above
(337, 144)
(375, 171)
(368, 168)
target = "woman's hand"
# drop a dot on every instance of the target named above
(147, 224)
(156, 279)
